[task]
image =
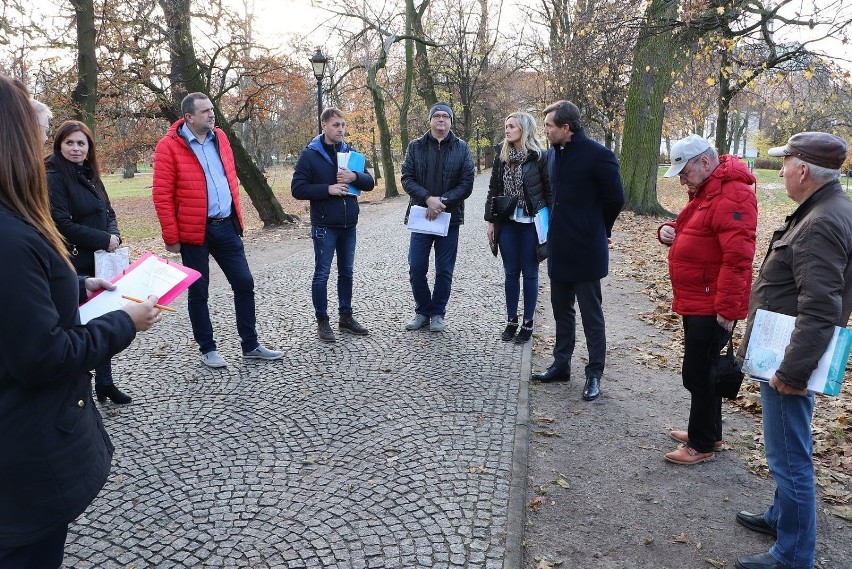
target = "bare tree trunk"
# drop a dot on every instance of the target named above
(723, 103)
(425, 84)
(382, 122)
(655, 58)
(85, 93)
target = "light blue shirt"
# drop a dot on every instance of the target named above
(218, 191)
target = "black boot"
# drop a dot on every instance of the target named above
(113, 393)
(525, 334)
(351, 325)
(511, 328)
(324, 330)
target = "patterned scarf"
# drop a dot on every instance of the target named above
(513, 175)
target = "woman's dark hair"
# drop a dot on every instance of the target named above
(65, 166)
(23, 186)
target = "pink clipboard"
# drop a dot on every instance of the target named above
(191, 276)
(105, 301)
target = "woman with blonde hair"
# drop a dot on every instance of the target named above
(518, 190)
(54, 452)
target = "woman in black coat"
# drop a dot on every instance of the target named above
(518, 190)
(82, 212)
(54, 453)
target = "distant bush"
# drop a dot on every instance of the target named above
(768, 163)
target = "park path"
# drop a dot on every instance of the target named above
(390, 450)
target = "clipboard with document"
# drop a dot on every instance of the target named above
(146, 276)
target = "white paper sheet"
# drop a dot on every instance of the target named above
(418, 223)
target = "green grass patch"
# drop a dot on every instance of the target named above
(135, 187)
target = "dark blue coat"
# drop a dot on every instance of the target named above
(54, 452)
(315, 172)
(587, 198)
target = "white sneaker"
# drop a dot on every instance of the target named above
(213, 359)
(262, 353)
(420, 320)
(436, 324)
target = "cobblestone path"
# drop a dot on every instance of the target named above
(390, 450)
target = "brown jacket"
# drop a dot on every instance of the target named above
(807, 273)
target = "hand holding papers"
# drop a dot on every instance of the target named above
(148, 275)
(770, 336)
(417, 222)
(354, 162)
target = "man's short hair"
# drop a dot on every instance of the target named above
(187, 106)
(820, 174)
(329, 112)
(565, 112)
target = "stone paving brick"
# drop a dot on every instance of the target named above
(387, 450)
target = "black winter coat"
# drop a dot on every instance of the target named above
(536, 183)
(313, 174)
(587, 198)
(537, 194)
(82, 213)
(54, 452)
(443, 169)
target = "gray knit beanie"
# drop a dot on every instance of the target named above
(441, 107)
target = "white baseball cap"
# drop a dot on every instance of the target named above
(684, 150)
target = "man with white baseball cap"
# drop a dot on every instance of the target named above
(711, 248)
(685, 150)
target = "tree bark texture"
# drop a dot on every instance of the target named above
(85, 94)
(656, 57)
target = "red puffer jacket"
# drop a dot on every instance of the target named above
(180, 188)
(710, 260)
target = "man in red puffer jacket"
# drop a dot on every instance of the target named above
(197, 200)
(712, 245)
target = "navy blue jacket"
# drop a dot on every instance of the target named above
(587, 198)
(315, 172)
(443, 169)
(54, 452)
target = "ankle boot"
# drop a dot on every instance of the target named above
(511, 328)
(324, 330)
(525, 334)
(348, 323)
(111, 392)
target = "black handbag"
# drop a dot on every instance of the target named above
(729, 374)
(502, 207)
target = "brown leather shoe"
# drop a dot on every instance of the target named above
(683, 437)
(688, 455)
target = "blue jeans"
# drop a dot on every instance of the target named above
(789, 452)
(103, 373)
(588, 297)
(327, 241)
(225, 245)
(518, 243)
(426, 302)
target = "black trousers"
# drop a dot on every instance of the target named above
(588, 296)
(46, 553)
(703, 339)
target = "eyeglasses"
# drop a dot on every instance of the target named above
(441, 116)
(687, 168)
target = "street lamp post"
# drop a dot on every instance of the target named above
(319, 62)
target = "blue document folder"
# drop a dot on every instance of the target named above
(357, 163)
